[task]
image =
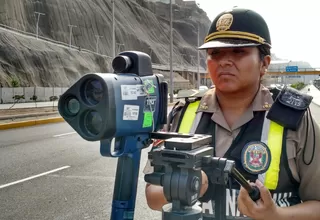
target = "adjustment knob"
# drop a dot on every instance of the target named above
(195, 184)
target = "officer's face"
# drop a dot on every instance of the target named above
(234, 69)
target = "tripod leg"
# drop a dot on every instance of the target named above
(220, 202)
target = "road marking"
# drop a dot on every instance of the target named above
(33, 177)
(60, 135)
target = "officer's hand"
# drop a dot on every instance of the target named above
(204, 185)
(264, 208)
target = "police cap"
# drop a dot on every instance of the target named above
(238, 27)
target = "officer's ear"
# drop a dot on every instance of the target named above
(265, 62)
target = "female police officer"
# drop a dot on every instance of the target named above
(272, 142)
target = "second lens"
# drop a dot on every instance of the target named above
(93, 91)
(93, 122)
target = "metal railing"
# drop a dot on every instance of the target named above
(165, 67)
(65, 45)
(58, 43)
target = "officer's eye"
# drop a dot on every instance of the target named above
(238, 50)
(213, 52)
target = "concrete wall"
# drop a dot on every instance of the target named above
(42, 93)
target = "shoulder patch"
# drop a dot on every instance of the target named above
(255, 157)
(292, 98)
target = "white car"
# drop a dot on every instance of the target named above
(202, 88)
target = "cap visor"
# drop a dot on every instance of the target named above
(223, 44)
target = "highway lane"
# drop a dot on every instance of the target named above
(68, 178)
(82, 190)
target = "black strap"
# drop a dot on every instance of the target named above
(213, 144)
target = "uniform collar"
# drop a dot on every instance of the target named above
(262, 101)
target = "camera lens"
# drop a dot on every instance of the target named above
(73, 106)
(93, 91)
(93, 122)
(121, 64)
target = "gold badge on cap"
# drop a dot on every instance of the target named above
(224, 22)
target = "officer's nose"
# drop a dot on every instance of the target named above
(225, 60)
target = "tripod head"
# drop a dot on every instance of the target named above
(177, 167)
(181, 178)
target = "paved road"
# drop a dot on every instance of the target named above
(50, 172)
(68, 179)
(82, 189)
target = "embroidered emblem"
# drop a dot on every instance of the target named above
(203, 106)
(224, 22)
(255, 157)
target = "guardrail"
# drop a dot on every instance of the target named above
(154, 65)
(59, 43)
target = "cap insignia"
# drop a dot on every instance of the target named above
(224, 22)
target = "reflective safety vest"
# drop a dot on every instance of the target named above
(272, 136)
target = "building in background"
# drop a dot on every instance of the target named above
(281, 66)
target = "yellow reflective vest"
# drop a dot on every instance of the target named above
(272, 135)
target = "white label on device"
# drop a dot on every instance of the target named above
(131, 112)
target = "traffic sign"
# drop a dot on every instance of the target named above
(291, 68)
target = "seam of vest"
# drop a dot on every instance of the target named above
(184, 108)
(264, 139)
(171, 117)
(196, 122)
(213, 133)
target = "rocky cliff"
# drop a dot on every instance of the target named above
(140, 25)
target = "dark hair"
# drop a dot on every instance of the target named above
(264, 50)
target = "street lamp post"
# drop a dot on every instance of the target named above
(98, 36)
(193, 74)
(38, 13)
(119, 47)
(198, 54)
(171, 48)
(150, 54)
(113, 32)
(70, 28)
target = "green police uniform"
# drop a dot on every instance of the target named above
(274, 134)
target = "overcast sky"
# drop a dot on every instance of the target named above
(294, 25)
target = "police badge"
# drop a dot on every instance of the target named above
(255, 157)
(224, 22)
